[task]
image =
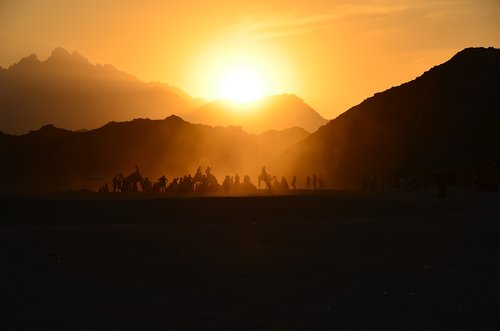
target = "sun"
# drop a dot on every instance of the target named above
(241, 84)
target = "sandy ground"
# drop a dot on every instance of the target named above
(332, 261)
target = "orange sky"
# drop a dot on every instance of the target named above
(333, 54)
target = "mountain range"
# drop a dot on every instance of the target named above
(57, 157)
(447, 120)
(68, 91)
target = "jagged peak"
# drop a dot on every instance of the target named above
(78, 56)
(470, 56)
(25, 61)
(33, 58)
(61, 54)
(475, 51)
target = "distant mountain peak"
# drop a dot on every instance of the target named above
(475, 51)
(60, 54)
(72, 92)
(174, 118)
(77, 56)
(473, 55)
(33, 58)
(278, 111)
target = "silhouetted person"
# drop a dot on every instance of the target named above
(120, 182)
(226, 184)
(321, 183)
(104, 188)
(198, 174)
(315, 182)
(146, 185)
(174, 185)
(236, 180)
(284, 184)
(308, 182)
(163, 183)
(115, 183)
(189, 183)
(442, 179)
(136, 171)
(294, 183)
(266, 178)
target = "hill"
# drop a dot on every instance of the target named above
(68, 91)
(52, 157)
(448, 119)
(275, 112)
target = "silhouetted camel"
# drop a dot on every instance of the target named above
(266, 178)
(129, 183)
(210, 182)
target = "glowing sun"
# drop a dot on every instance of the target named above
(241, 84)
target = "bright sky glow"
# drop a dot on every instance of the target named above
(241, 84)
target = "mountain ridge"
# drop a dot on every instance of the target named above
(172, 146)
(69, 91)
(447, 119)
(278, 111)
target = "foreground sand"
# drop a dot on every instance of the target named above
(334, 261)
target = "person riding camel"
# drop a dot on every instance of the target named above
(198, 172)
(264, 173)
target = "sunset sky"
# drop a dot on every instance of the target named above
(333, 54)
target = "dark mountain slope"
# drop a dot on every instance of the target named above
(448, 119)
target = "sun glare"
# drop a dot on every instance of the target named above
(241, 85)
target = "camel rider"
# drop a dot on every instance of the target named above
(264, 172)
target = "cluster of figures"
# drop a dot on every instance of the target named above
(206, 183)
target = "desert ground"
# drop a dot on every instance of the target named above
(331, 260)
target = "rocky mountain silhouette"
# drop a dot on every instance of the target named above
(447, 120)
(275, 112)
(68, 91)
(53, 157)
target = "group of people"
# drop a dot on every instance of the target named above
(317, 182)
(206, 183)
